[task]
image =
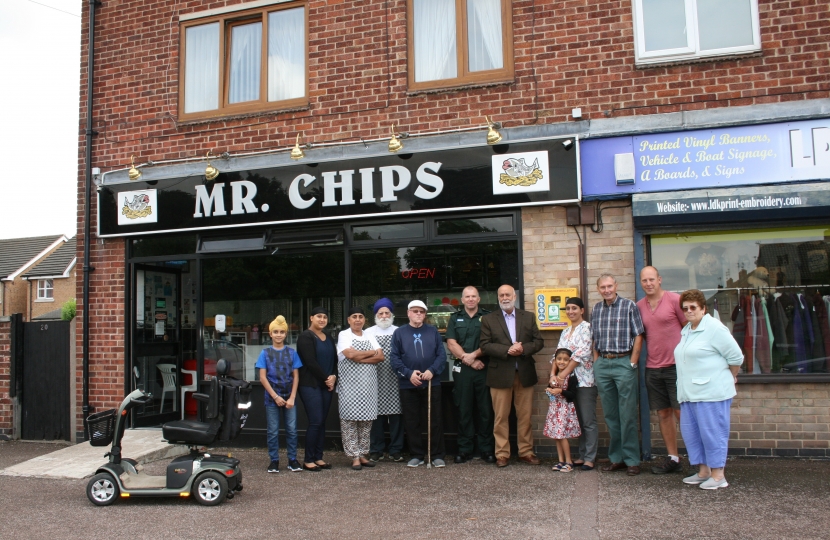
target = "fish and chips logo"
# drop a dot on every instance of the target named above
(520, 173)
(137, 207)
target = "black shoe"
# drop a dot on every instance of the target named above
(668, 466)
(489, 458)
(294, 466)
(375, 456)
(462, 458)
(274, 467)
(397, 457)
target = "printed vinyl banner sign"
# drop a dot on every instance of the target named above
(505, 175)
(737, 156)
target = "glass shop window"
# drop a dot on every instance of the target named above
(249, 292)
(770, 287)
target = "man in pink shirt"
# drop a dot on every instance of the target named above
(662, 319)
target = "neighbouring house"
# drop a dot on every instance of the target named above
(52, 281)
(21, 256)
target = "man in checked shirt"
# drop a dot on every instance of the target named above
(618, 337)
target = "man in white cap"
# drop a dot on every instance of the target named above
(418, 358)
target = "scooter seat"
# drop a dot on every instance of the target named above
(190, 432)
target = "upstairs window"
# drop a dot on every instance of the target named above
(45, 289)
(459, 42)
(243, 62)
(676, 30)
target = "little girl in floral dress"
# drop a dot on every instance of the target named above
(562, 423)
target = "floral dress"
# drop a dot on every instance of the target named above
(561, 422)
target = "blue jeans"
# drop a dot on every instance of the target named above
(317, 402)
(272, 415)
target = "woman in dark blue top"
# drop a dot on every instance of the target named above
(318, 376)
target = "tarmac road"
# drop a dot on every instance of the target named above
(767, 498)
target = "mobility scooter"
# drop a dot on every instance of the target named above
(210, 479)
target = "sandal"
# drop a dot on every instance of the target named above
(586, 467)
(558, 466)
(568, 467)
(323, 465)
(312, 467)
(578, 463)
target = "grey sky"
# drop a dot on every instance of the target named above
(39, 139)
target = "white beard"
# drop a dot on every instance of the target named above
(383, 323)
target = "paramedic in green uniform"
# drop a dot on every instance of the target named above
(471, 395)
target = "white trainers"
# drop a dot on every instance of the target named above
(414, 462)
(695, 479)
(711, 483)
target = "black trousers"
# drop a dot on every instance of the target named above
(414, 404)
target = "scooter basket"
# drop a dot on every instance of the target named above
(100, 427)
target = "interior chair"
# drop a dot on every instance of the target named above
(168, 375)
(192, 387)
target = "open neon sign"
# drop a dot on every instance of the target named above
(418, 273)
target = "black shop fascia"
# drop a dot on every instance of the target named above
(211, 263)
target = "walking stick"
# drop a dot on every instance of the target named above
(429, 425)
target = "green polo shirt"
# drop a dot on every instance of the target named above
(465, 330)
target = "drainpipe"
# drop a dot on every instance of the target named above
(87, 198)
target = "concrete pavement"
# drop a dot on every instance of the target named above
(81, 460)
(767, 498)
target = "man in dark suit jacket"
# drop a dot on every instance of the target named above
(510, 338)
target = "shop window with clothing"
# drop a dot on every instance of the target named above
(676, 30)
(770, 287)
(457, 42)
(243, 61)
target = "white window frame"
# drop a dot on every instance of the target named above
(45, 290)
(692, 50)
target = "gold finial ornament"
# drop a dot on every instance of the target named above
(297, 152)
(211, 172)
(394, 143)
(493, 136)
(134, 173)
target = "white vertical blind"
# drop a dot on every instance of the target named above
(724, 24)
(665, 24)
(201, 76)
(484, 35)
(435, 40)
(246, 63)
(286, 54)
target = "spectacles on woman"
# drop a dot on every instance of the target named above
(691, 307)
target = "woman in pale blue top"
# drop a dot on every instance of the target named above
(708, 359)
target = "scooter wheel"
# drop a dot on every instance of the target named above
(210, 489)
(102, 490)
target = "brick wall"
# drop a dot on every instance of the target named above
(786, 419)
(16, 299)
(107, 352)
(550, 250)
(6, 407)
(574, 53)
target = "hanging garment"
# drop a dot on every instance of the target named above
(779, 321)
(817, 350)
(824, 326)
(749, 337)
(739, 322)
(764, 340)
(802, 343)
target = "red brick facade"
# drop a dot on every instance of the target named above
(567, 54)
